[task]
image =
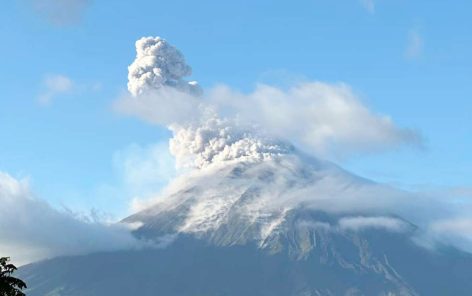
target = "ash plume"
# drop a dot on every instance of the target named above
(159, 64)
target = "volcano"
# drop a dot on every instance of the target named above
(288, 226)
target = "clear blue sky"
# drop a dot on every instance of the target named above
(410, 60)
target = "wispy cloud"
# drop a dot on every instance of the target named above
(415, 44)
(144, 170)
(454, 230)
(369, 5)
(60, 12)
(327, 119)
(361, 222)
(54, 86)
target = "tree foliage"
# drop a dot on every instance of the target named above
(9, 285)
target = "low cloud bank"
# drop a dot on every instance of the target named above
(30, 229)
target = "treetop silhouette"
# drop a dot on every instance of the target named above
(9, 285)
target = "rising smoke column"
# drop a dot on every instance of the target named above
(155, 79)
(326, 119)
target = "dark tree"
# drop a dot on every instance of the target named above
(9, 285)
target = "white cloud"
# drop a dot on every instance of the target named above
(164, 106)
(457, 226)
(60, 12)
(369, 5)
(325, 119)
(30, 229)
(415, 44)
(145, 170)
(54, 86)
(454, 230)
(360, 223)
(315, 225)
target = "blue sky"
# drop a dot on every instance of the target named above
(406, 59)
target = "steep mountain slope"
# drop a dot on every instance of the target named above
(381, 264)
(286, 226)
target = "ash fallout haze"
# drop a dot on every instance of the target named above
(255, 148)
